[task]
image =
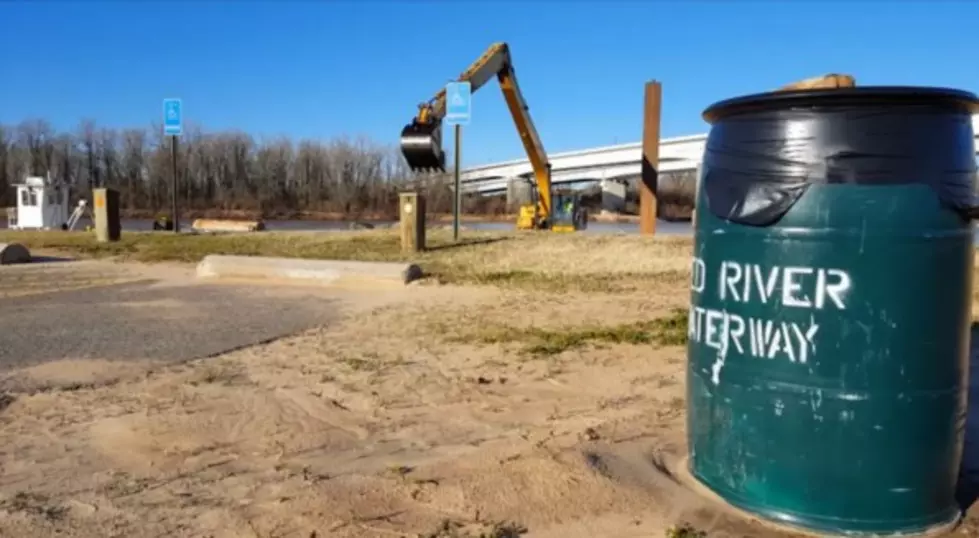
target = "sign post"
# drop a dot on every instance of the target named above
(458, 112)
(173, 126)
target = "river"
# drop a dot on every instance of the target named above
(664, 227)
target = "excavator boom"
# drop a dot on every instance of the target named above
(421, 140)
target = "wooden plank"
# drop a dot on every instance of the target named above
(824, 82)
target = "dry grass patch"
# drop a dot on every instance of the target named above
(560, 263)
(573, 254)
(540, 261)
(670, 330)
(455, 529)
(157, 246)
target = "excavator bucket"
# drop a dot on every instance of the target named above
(421, 144)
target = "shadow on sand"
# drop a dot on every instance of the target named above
(50, 259)
(467, 243)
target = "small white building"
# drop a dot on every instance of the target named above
(42, 204)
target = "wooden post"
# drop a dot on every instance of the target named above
(108, 226)
(650, 157)
(412, 218)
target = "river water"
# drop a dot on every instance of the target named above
(663, 227)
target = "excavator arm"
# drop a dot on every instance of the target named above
(421, 140)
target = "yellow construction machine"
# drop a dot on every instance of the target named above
(421, 143)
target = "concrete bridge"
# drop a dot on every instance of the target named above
(595, 164)
(612, 166)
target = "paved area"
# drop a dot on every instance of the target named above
(144, 318)
(61, 275)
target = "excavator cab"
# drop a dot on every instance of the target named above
(568, 215)
(421, 145)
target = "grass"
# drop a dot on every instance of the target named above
(685, 530)
(666, 331)
(454, 529)
(537, 260)
(156, 246)
(546, 281)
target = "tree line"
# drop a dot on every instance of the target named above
(224, 173)
(216, 172)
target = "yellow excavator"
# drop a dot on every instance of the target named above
(421, 144)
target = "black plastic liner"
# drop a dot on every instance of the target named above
(765, 150)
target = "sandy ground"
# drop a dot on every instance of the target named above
(400, 421)
(397, 422)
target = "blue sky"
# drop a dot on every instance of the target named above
(332, 68)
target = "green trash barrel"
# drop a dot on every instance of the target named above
(830, 306)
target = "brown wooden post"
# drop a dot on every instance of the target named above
(650, 157)
(105, 215)
(412, 217)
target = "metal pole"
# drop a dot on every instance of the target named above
(173, 185)
(457, 204)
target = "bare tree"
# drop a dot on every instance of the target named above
(218, 172)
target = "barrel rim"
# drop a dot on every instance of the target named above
(867, 95)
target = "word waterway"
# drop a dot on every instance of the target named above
(736, 284)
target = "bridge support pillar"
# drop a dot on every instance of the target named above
(613, 196)
(696, 193)
(518, 193)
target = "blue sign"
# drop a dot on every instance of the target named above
(458, 103)
(173, 121)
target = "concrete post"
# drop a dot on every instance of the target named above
(613, 196)
(106, 215)
(518, 193)
(412, 219)
(696, 193)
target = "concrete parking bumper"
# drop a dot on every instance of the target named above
(319, 271)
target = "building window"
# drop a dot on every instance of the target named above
(28, 198)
